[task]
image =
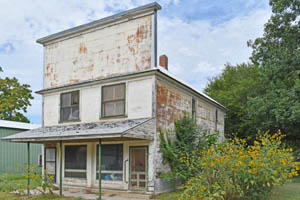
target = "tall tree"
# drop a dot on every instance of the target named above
(14, 99)
(278, 55)
(233, 88)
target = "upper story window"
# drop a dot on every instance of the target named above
(194, 109)
(113, 100)
(216, 123)
(69, 106)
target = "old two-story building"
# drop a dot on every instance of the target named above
(103, 87)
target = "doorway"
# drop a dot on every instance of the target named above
(138, 173)
(50, 162)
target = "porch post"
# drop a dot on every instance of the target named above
(99, 173)
(28, 168)
(60, 168)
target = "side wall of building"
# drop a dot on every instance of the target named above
(13, 156)
(138, 103)
(109, 51)
(171, 102)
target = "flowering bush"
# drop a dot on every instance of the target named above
(233, 170)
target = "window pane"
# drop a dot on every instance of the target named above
(50, 167)
(119, 92)
(75, 174)
(66, 112)
(75, 157)
(111, 160)
(66, 99)
(50, 154)
(75, 98)
(109, 109)
(108, 93)
(119, 108)
(75, 113)
(193, 105)
(138, 160)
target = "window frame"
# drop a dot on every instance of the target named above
(76, 170)
(102, 116)
(109, 171)
(194, 108)
(61, 107)
(217, 120)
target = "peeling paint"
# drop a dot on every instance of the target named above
(115, 50)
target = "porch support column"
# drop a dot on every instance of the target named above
(60, 168)
(100, 172)
(28, 168)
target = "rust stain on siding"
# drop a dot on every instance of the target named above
(99, 57)
(170, 104)
(82, 48)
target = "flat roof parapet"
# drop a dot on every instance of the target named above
(101, 23)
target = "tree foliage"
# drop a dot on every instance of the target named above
(14, 99)
(265, 95)
(278, 55)
(233, 88)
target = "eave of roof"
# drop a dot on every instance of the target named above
(106, 129)
(18, 125)
(145, 72)
(104, 22)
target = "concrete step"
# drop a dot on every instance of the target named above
(111, 192)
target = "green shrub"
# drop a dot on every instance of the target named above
(188, 141)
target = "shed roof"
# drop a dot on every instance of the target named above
(134, 128)
(18, 125)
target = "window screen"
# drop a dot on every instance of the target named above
(75, 161)
(113, 100)
(111, 162)
(69, 106)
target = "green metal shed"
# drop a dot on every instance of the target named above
(13, 156)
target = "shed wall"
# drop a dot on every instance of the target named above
(13, 154)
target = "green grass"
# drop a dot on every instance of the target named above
(4, 196)
(289, 191)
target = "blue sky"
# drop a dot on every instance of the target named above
(199, 36)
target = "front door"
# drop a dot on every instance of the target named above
(138, 168)
(50, 162)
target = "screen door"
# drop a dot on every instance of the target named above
(138, 168)
(50, 162)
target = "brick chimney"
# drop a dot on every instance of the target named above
(163, 61)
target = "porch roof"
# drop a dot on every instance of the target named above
(132, 128)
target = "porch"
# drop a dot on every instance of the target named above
(71, 154)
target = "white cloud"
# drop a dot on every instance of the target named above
(196, 49)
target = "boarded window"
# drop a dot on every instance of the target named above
(75, 161)
(113, 100)
(69, 106)
(194, 109)
(111, 162)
